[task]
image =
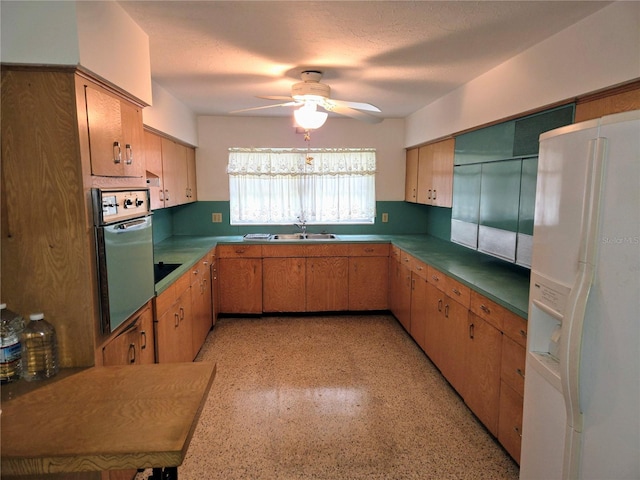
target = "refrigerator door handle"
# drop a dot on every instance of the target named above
(571, 340)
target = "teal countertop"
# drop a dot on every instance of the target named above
(502, 282)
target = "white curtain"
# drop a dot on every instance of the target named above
(284, 186)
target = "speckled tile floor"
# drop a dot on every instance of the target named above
(333, 397)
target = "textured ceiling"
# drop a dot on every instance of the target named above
(217, 56)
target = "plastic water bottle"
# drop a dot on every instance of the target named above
(39, 349)
(11, 325)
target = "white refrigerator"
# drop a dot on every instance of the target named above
(582, 387)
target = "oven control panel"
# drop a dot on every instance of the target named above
(117, 205)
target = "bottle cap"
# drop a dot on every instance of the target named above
(36, 316)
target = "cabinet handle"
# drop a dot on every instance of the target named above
(117, 152)
(143, 334)
(166, 195)
(419, 268)
(429, 196)
(434, 193)
(523, 333)
(413, 284)
(128, 154)
(161, 195)
(176, 317)
(240, 250)
(520, 372)
(132, 353)
(456, 291)
(368, 250)
(485, 309)
(439, 304)
(517, 430)
(446, 311)
(435, 278)
(181, 313)
(471, 330)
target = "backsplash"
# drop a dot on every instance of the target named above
(404, 218)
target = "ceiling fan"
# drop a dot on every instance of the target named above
(311, 93)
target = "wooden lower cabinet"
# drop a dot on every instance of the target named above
(419, 306)
(240, 278)
(134, 345)
(284, 284)
(510, 421)
(174, 330)
(327, 284)
(452, 361)
(368, 276)
(201, 311)
(481, 390)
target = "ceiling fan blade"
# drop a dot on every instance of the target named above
(288, 104)
(357, 105)
(352, 112)
(274, 97)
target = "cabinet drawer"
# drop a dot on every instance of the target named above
(436, 278)
(395, 252)
(406, 259)
(240, 251)
(515, 327)
(419, 268)
(368, 249)
(513, 361)
(457, 291)
(487, 309)
(326, 250)
(283, 251)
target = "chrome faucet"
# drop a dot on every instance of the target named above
(302, 226)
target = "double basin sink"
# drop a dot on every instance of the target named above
(303, 236)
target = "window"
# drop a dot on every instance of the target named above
(316, 186)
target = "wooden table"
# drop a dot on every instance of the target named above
(104, 418)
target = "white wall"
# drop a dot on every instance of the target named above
(171, 116)
(99, 36)
(600, 51)
(217, 134)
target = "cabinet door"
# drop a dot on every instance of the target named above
(174, 331)
(442, 173)
(453, 342)
(411, 176)
(327, 284)
(134, 345)
(510, 421)
(174, 167)
(153, 165)
(404, 296)
(240, 285)
(192, 188)
(201, 312)
(182, 174)
(132, 136)
(368, 283)
(482, 369)
(418, 309)
(283, 284)
(466, 205)
(106, 144)
(433, 330)
(425, 175)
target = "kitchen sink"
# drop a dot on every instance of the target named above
(303, 236)
(161, 270)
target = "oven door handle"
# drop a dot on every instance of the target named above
(132, 225)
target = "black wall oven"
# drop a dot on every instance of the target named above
(124, 247)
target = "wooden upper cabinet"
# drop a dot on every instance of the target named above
(411, 176)
(153, 164)
(178, 170)
(435, 173)
(621, 99)
(115, 134)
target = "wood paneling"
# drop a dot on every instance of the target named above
(622, 99)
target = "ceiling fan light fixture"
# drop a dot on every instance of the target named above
(308, 116)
